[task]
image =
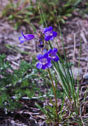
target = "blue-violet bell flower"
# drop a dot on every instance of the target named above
(49, 33)
(44, 61)
(25, 37)
(52, 54)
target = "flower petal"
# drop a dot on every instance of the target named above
(44, 66)
(54, 33)
(39, 65)
(56, 58)
(39, 56)
(27, 36)
(45, 55)
(49, 51)
(50, 28)
(49, 65)
(21, 39)
(45, 51)
(47, 38)
(51, 38)
(55, 50)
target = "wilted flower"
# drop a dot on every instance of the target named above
(25, 37)
(41, 44)
(44, 62)
(49, 33)
(52, 54)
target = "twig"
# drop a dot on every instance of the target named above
(74, 48)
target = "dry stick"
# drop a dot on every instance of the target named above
(82, 121)
(74, 48)
(74, 58)
(86, 68)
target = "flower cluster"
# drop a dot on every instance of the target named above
(48, 33)
(45, 59)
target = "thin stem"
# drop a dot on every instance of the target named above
(54, 90)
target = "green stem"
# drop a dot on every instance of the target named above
(54, 90)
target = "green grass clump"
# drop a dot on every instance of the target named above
(27, 12)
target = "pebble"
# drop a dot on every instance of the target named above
(85, 76)
(77, 72)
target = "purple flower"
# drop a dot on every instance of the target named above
(49, 33)
(25, 37)
(52, 54)
(44, 61)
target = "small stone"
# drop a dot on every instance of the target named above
(77, 72)
(85, 76)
